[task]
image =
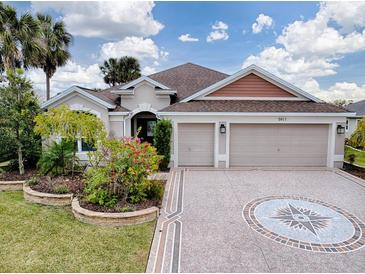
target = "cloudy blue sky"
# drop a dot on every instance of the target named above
(320, 47)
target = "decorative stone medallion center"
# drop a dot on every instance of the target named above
(302, 218)
(305, 223)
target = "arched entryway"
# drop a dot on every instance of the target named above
(144, 122)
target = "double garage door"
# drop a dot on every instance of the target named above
(255, 145)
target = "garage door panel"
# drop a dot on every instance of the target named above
(195, 144)
(278, 145)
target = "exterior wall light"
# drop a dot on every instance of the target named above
(222, 129)
(340, 129)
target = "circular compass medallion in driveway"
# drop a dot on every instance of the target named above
(305, 223)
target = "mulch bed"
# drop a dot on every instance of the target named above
(354, 170)
(120, 206)
(15, 176)
(75, 185)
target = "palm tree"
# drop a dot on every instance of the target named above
(110, 71)
(118, 71)
(130, 69)
(54, 41)
(18, 39)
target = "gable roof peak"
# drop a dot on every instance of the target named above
(98, 97)
(261, 73)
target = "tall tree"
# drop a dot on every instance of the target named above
(18, 39)
(110, 71)
(54, 42)
(118, 71)
(18, 108)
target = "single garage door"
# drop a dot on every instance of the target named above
(278, 145)
(196, 144)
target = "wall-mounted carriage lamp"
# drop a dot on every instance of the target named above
(222, 129)
(340, 129)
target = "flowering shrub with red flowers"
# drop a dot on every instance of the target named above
(119, 171)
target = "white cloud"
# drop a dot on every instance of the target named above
(348, 15)
(111, 20)
(340, 90)
(66, 76)
(220, 25)
(143, 49)
(262, 21)
(310, 49)
(315, 38)
(147, 70)
(219, 32)
(344, 90)
(296, 70)
(187, 38)
(217, 35)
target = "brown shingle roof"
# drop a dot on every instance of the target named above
(252, 106)
(120, 108)
(188, 78)
(104, 95)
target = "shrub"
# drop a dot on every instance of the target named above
(57, 160)
(147, 190)
(61, 189)
(119, 168)
(32, 181)
(162, 141)
(154, 189)
(352, 158)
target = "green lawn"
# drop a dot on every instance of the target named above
(35, 238)
(360, 156)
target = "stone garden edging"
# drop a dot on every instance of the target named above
(46, 198)
(11, 185)
(113, 219)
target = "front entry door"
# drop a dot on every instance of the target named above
(146, 125)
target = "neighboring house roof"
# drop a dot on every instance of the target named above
(253, 106)
(103, 98)
(188, 78)
(358, 107)
(261, 73)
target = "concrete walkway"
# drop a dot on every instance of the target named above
(203, 227)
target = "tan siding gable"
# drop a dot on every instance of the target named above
(251, 86)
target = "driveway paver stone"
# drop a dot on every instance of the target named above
(202, 227)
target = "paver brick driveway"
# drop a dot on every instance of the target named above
(203, 227)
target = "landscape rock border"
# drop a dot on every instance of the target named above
(113, 219)
(11, 185)
(33, 196)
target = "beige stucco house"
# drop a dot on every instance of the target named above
(250, 118)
